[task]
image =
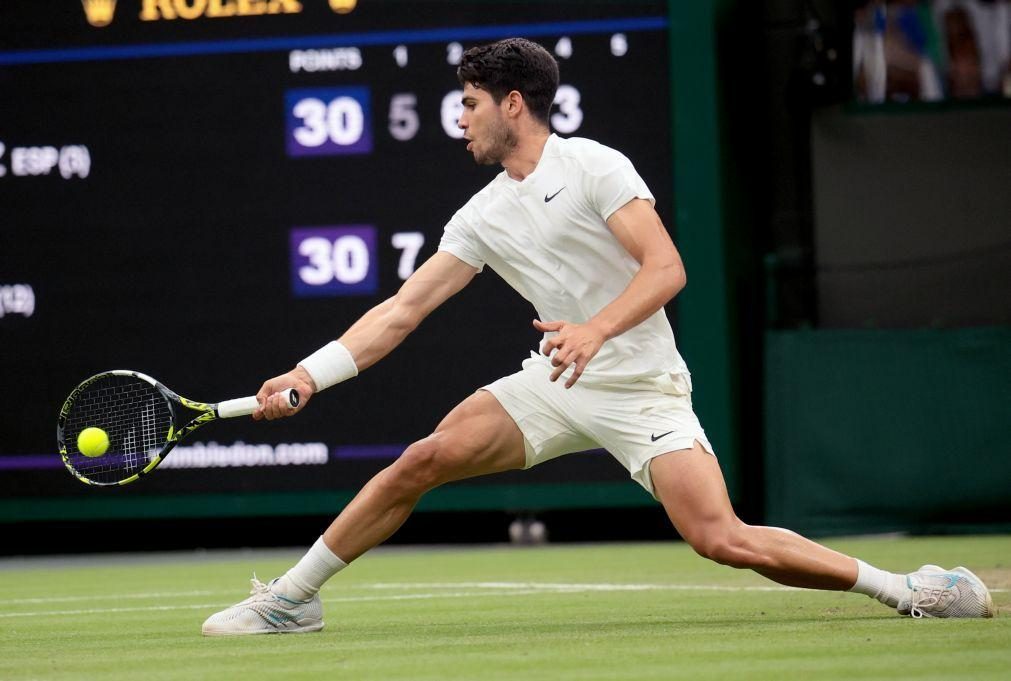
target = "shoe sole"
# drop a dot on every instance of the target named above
(304, 629)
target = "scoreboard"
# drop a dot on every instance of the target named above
(208, 190)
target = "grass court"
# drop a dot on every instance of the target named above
(605, 611)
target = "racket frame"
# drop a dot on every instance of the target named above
(208, 412)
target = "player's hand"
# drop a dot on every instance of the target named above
(575, 345)
(272, 403)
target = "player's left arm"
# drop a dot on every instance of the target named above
(660, 277)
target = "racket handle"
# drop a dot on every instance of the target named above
(244, 406)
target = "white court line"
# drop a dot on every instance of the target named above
(407, 586)
(486, 589)
(559, 587)
(580, 587)
(104, 597)
(349, 599)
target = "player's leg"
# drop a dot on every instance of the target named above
(651, 428)
(691, 488)
(476, 438)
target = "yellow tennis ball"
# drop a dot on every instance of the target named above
(92, 442)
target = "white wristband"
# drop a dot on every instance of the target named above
(330, 365)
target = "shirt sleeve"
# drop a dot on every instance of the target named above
(614, 188)
(458, 236)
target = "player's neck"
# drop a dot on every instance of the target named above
(527, 154)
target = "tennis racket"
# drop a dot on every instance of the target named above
(143, 419)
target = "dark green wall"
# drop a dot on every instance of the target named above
(888, 430)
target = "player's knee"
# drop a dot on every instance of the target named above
(413, 471)
(726, 545)
(422, 466)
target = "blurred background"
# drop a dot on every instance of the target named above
(208, 190)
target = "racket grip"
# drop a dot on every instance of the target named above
(244, 406)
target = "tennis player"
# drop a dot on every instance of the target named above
(571, 226)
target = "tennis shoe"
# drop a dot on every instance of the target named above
(266, 612)
(936, 592)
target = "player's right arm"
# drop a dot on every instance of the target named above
(385, 326)
(379, 330)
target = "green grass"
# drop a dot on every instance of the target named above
(492, 613)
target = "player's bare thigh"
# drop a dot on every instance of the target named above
(476, 438)
(690, 485)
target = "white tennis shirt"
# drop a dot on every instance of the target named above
(547, 237)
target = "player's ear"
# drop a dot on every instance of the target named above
(514, 103)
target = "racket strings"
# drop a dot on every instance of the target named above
(133, 413)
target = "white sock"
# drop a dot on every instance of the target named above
(887, 587)
(302, 582)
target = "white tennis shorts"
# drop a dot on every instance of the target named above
(634, 421)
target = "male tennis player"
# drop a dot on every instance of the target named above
(570, 225)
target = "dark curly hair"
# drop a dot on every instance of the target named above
(513, 64)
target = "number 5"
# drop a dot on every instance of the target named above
(403, 118)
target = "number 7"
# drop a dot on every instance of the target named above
(411, 243)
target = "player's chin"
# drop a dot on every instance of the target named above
(484, 159)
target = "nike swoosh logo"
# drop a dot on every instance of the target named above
(654, 438)
(548, 198)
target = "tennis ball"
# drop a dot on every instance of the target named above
(92, 442)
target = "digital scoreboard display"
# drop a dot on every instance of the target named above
(206, 191)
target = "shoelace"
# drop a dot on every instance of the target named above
(258, 587)
(925, 599)
(277, 616)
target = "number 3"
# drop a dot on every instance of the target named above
(569, 116)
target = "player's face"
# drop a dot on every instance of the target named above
(484, 127)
